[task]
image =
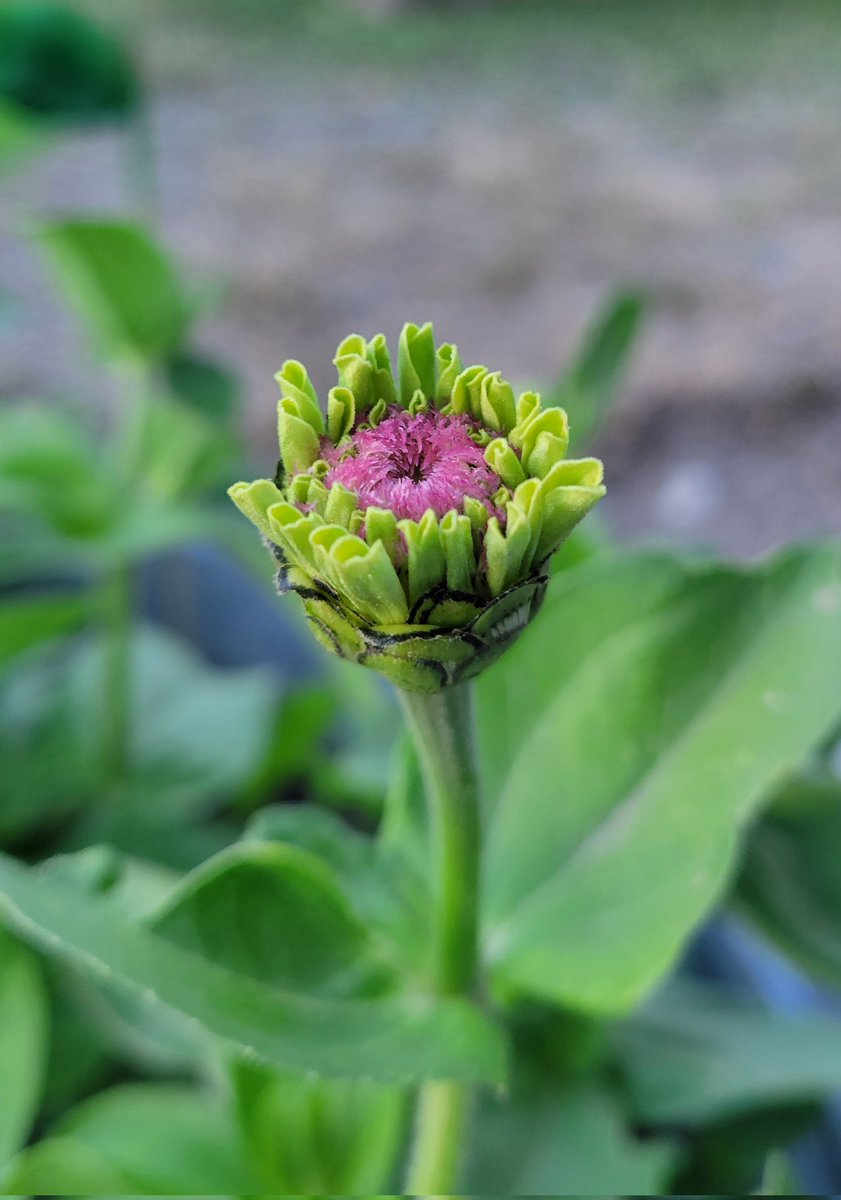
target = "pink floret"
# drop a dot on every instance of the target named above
(409, 464)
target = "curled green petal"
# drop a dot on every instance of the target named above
(570, 490)
(426, 554)
(467, 391)
(340, 506)
(456, 534)
(504, 462)
(355, 371)
(380, 360)
(341, 413)
(418, 404)
(292, 530)
(551, 421)
(497, 406)
(299, 442)
(361, 574)
(416, 362)
(295, 386)
(381, 526)
(505, 551)
(476, 513)
(527, 405)
(254, 500)
(447, 370)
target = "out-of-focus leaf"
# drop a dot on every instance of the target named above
(206, 386)
(63, 1167)
(396, 1039)
(274, 913)
(320, 1137)
(696, 1053)
(731, 1157)
(27, 621)
(628, 737)
(24, 1043)
(122, 284)
(298, 741)
(20, 135)
(790, 883)
(559, 1139)
(184, 453)
(58, 63)
(588, 388)
(157, 1138)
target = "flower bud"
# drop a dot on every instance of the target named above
(416, 522)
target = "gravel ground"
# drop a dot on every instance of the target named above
(330, 200)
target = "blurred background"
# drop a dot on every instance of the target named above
(500, 169)
(629, 204)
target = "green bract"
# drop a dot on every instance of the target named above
(428, 601)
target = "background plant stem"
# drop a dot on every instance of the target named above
(443, 731)
(116, 591)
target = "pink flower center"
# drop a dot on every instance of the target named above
(411, 463)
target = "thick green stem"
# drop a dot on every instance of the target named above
(443, 731)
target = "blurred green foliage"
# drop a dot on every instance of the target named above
(223, 986)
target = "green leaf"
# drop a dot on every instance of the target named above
(207, 387)
(274, 913)
(400, 1039)
(122, 285)
(561, 1139)
(696, 1053)
(790, 883)
(627, 761)
(24, 1043)
(21, 135)
(62, 1167)
(59, 64)
(156, 1138)
(588, 388)
(27, 621)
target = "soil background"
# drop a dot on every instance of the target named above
(501, 169)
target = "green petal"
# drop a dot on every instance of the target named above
(355, 371)
(456, 534)
(497, 406)
(295, 386)
(467, 391)
(363, 575)
(341, 413)
(552, 421)
(504, 462)
(292, 531)
(254, 500)
(570, 490)
(341, 504)
(380, 360)
(477, 513)
(505, 551)
(416, 361)
(381, 526)
(447, 369)
(299, 442)
(426, 554)
(527, 406)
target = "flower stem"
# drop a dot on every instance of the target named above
(442, 728)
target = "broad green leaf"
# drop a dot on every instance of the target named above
(731, 1157)
(696, 1053)
(790, 883)
(206, 386)
(400, 1039)
(26, 621)
(121, 283)
(24, 1043)
(588, 388)
(21, 135)
(274, 913)
(151, 1137)
(631, 734)
(561, 1139)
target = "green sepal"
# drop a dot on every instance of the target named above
(426, 554)
(254, 500)
(504, 462)
(467, 391)
(569, 491)
(447, 370)
(299, 441)
(341, 413)
(456, 534)
(362, 575)
(497, 406)
(295, 385)
(416, 361)
(381, 526)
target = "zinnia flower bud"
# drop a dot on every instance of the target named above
(415, 520)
